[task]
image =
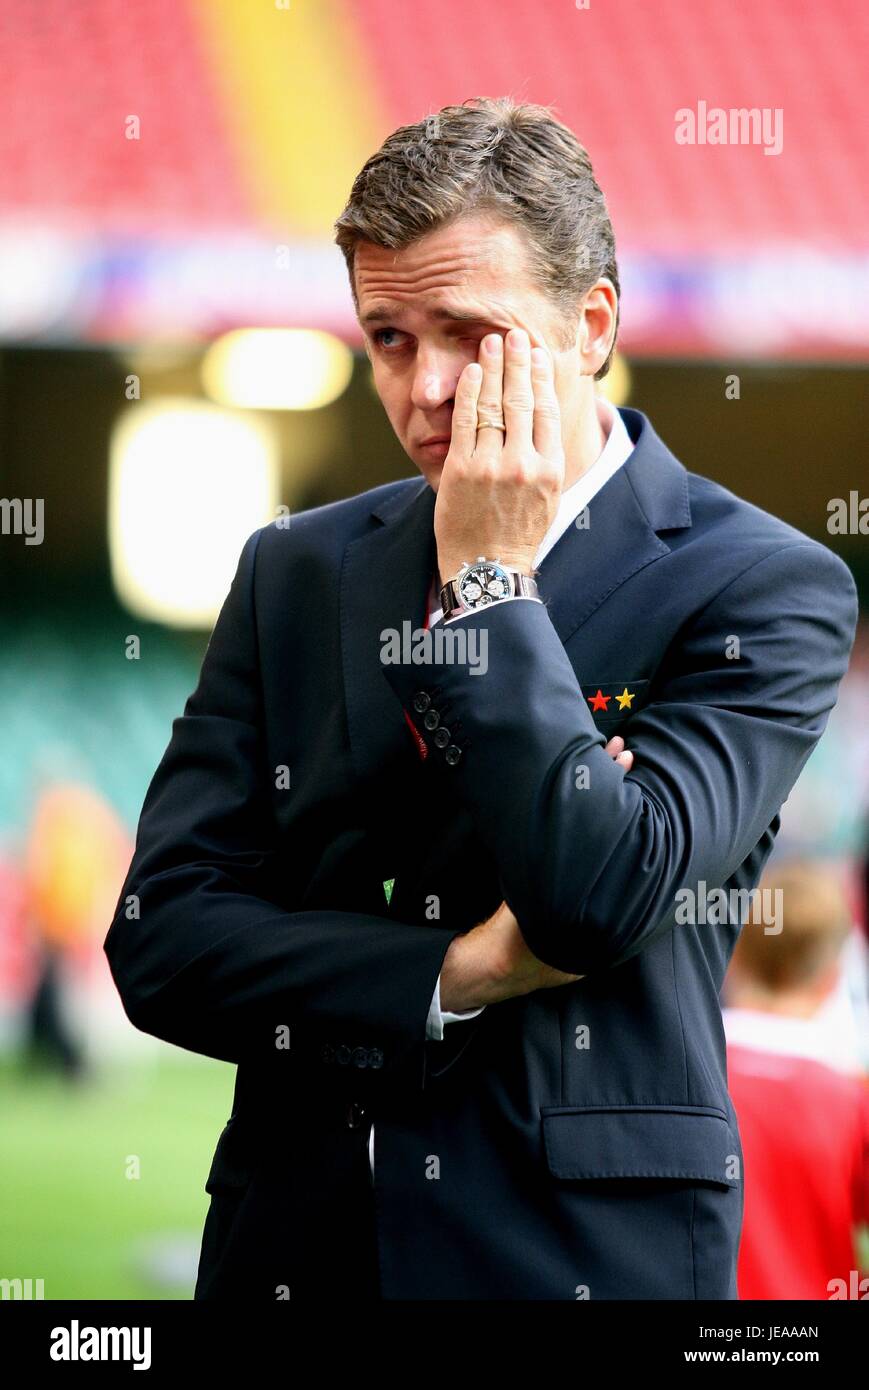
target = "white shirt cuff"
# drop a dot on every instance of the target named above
(434, 1028)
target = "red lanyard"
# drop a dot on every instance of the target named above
(421, 745)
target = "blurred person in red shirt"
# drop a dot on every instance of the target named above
(803, 1119)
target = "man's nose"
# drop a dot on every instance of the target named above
(435, 381)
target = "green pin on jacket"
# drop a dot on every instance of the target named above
(388, 884)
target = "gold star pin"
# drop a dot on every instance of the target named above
(625, 698)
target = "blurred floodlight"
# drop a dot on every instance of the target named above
(43, 283)
(188, 483)
(277, 368)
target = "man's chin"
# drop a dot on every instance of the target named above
(430, 470)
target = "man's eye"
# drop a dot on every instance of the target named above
(385, 333)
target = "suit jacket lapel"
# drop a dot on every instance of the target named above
(587, 564)
(384, 583)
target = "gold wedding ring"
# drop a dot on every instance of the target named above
(492, 425)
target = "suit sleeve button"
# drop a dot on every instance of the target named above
(342, 1055)
(360, 1057)
(442, 736)
(328, 1053)
(431, 719)
(453, 754)
(421, 701)
(375, 1057)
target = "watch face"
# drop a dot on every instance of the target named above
(482, 584)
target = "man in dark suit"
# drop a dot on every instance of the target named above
(394, 863)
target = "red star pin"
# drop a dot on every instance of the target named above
(599, 701)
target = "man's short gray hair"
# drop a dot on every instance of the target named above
(490, 155)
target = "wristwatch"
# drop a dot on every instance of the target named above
(484, 582)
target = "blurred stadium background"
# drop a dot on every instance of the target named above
(179, 358)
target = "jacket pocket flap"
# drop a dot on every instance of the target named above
(634, 1141)
(614, 700)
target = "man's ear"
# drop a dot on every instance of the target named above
(597, 325)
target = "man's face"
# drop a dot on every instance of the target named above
(424, 312)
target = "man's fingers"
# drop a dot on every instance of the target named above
(518, 394)
(547, 414)
(489, 444)
(617, 751)
(463, 433)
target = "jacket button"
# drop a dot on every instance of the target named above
(342, 1055)
(431, 719)
(441, 736)
(452, 754)
(355, 1115)
(375, 1057)
(360, 1057)
(421, 701)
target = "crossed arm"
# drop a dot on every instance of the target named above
(592, 874)
(204, 956)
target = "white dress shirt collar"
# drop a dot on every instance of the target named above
(576, 498)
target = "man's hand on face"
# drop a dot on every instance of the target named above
(499, 491)
(492, 962)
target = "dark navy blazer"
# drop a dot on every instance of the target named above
(578, 1142)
